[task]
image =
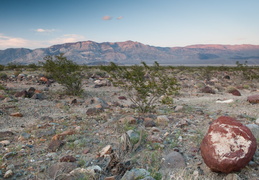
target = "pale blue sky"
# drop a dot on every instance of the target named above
(166, 23)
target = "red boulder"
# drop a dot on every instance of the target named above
(254, 99)
(228, 145)
(235, 92)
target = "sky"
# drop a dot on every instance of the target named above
(166, 23)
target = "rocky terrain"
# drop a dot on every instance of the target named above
(129, 52)
(45, 134)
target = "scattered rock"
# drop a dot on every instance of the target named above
(5, 142)
(6, 135)
(122, 98)
(16, 114)
(254, 128)
(137, 174)
(149, 123)
(228, 145)
(173, 160)
(128, 119)
(60, 168)
(178, 108)
(207, 89)
(8, 174)
(67, 159)
(257, 121)
(235, 92)
(232, 176)
(225, 101)
(162, 120)
(93, 111)
(54, 145)
(62, 135)
(254, 99)
(106, 150)
(23, 93)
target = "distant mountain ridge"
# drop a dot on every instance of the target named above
(129, 52)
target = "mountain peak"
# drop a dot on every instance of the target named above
(133, 52)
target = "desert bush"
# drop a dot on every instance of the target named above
(65, 72)
(249, 72)
(143, 84)
(2, 67)
(3, 76)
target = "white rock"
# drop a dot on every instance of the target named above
(8, 174)
(5, 142)
(225, 101)
(257, 121)
(106, 150)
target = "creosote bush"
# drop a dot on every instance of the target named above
(65, 72)
(144, 84)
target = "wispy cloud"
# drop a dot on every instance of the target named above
(107, 18)
(120, 17)
(67, 38)
(40, 30)
(12, 42)
(16, 42)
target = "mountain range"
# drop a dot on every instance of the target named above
(130, 52)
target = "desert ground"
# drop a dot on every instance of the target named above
(99, 135)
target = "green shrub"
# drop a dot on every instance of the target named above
(3, 76)
(144, 85)
(65, 72)
(1, 67)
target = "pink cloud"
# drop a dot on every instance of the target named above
(107, 18)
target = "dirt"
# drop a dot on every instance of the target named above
(183, 133)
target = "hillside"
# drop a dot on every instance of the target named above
(129, 52)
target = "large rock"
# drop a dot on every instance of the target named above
(254, 99)
(228, 145)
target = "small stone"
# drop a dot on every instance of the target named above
(106, 150)
(235, 92)
(67, 159)
(10, 167)
(254, 128)
(208, 90)
(93, 169)
(174, 160)
(9, 154)
(52, 155)
(5, 142)
(178, 108)
(110, 178)
(93, 111)
(122, 98)
(16, 114)
(149, 123)
(60, 168)
(252, 164)
(232, 176)
(54, 145)
(254, 99)
(137, 174)
(128, 119)
(8, 174)
(257, 121)
(85, 151)
(162, 120)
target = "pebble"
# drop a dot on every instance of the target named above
(7, 155)
(5, 142)
(8, 174)
(10, 167)
(257, 121)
